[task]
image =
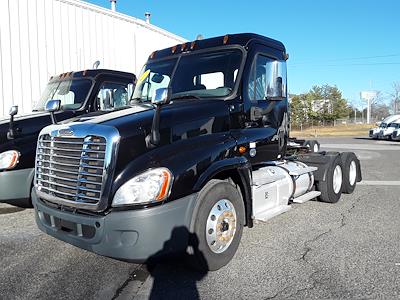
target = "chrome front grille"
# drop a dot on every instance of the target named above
(71, 170)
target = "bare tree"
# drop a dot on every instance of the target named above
(395, 96)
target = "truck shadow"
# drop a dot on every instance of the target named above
(172, 278)
(10, 210)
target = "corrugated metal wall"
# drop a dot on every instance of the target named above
(41, 38)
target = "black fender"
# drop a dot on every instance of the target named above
(322, 160)
(240, 169)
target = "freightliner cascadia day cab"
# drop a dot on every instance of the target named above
(200, 155)
(85, 92)
(377, 132)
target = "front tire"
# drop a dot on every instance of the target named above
(218, 226)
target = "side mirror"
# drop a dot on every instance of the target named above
(13, 110)
(161, 96)
(11, 131)
(276, 79)
(52, 106)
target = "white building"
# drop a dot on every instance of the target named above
(41, 38)
(322, 105)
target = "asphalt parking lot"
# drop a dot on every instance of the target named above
(314, 251)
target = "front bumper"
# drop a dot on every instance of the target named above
(373, 133)
(16, 184)
(131, 235)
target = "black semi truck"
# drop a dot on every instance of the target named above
(201, 154)
(87, 92)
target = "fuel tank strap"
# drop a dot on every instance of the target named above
(302, 171)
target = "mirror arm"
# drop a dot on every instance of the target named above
(11, 131)
(53, 118)
(155, 128)
(153, 139)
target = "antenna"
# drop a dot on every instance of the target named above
(96, 64)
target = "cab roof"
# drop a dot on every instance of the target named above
(241, 39)
(91, 73)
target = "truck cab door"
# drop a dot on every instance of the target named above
(266, 120)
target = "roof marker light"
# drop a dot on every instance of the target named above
(226, 37)
(192, 45)
(183, 46)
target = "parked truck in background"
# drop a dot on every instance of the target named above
(387, 133)
(201, 154)
(90, 92)
(377, 132)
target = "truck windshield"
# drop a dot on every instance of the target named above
(72, 93)
(197, 75)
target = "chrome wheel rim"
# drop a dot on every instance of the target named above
(337, 179)
(221, 226)
(352, 173)
(316, 148)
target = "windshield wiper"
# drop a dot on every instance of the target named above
(185, 96)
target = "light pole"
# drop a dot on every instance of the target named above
(368, 96)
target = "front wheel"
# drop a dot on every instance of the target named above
(218, 226)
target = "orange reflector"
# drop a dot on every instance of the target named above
(192, 45)
(165, 186)
(153, 54)
(183, 46)
(173, 49)
(242, 150)
(226, 37)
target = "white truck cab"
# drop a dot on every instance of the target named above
(378, 132)
(387, 132)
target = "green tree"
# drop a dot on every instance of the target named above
(321, 104)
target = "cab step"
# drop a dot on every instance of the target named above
(270, 213)
(306, 197)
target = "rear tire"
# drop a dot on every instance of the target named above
(331, 188)
(218, 226)
(313, 145)
(350, 165)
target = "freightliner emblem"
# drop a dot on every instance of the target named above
(65, 132)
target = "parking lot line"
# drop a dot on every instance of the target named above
(379, 182)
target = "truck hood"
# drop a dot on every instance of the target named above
(4, 120)
(180, 121)
(100, 117)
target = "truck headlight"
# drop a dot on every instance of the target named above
(148, 187)
(8, 159)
